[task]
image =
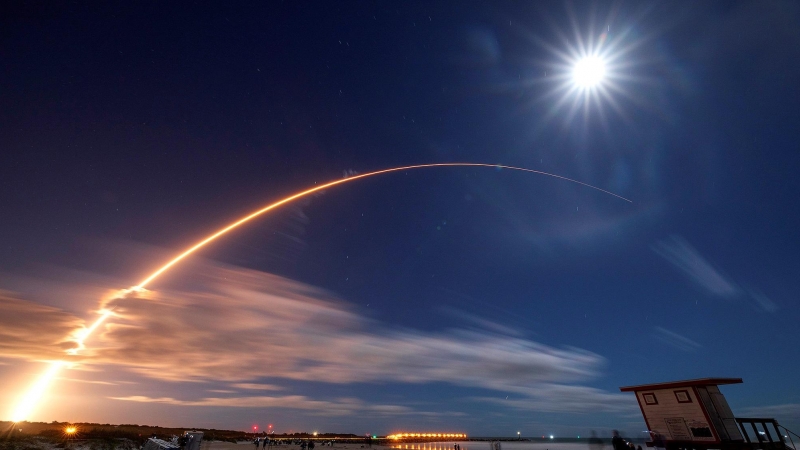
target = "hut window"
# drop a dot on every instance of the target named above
(683, 397)
(650, 398)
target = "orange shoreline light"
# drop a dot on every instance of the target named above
(29, 401)
(398, 436)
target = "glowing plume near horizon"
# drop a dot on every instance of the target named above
(29, 401)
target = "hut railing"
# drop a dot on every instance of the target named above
(769, 434)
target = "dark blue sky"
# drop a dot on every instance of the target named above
(129, 131)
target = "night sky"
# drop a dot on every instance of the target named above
(477, 300)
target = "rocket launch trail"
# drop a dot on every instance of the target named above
(37, 390)
(301, 194)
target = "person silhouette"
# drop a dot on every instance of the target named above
(617, 442)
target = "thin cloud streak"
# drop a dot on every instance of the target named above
(558, 398)
(763, 302)
(686, 258)
(683, 256)
(344, 406)
(783, 410)
(257, 386)
(77, 380)
(479, 322)
(676, 340)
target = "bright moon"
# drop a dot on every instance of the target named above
(589, 72)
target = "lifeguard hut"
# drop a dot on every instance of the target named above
(693, 414)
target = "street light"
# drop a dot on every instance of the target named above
(70, 431)
(518, 438)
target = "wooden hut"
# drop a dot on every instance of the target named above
(693, 414)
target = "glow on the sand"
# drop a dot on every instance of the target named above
(34, 394)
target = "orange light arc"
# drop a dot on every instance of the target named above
(306, 192)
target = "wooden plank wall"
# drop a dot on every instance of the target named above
(676, 420)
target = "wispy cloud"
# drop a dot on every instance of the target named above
(77, 380)
(34, 331)
(254, 332)
(565, 398)
(676, 340)
(787, 410)
(343, 406)
(261, 326)
(479, 322)
(257, 386)
(762, 301)
(686, 258)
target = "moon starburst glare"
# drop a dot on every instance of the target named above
(587, 71)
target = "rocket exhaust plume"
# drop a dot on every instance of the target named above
(38, 389)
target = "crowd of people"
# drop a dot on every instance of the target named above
(304, 444)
